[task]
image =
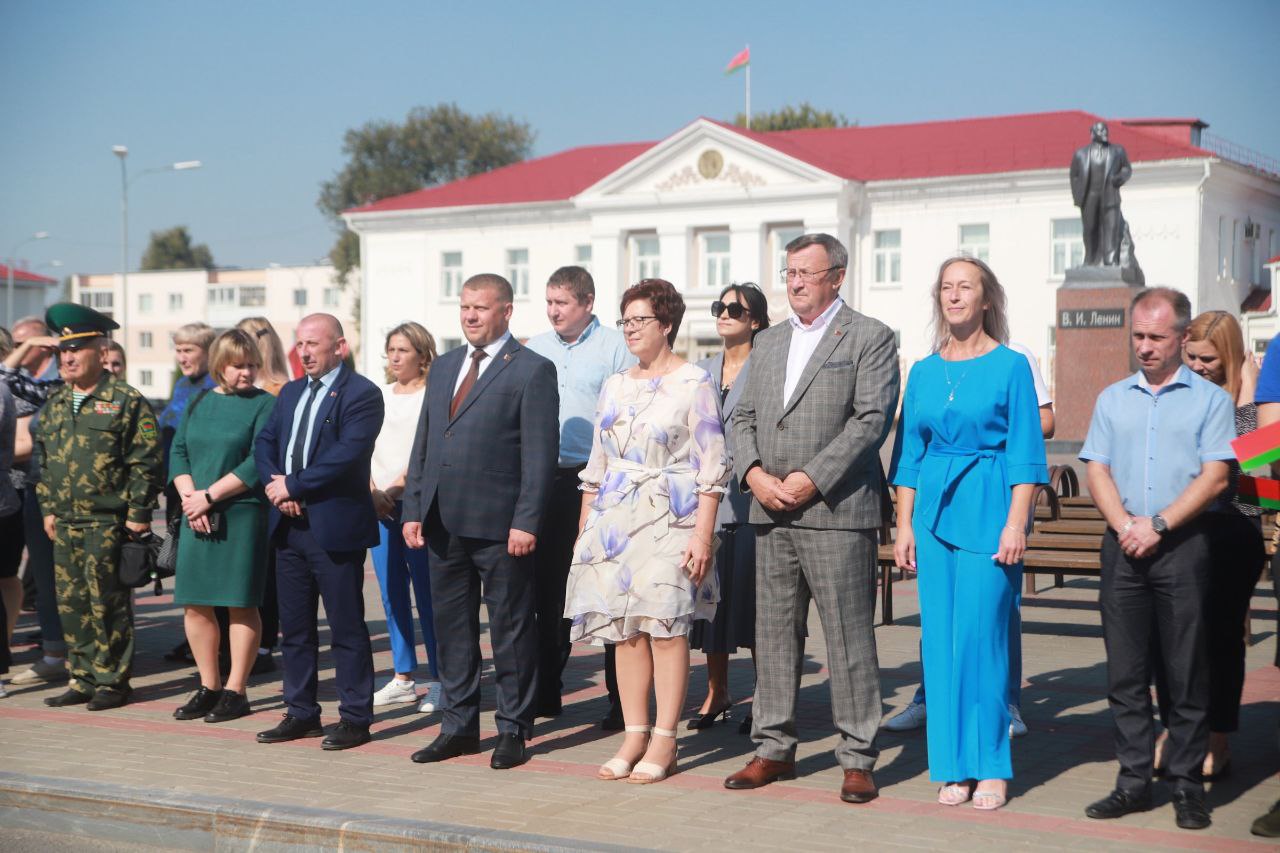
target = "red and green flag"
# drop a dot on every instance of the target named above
(1258, 448)
(1259, 491)
(740, 61)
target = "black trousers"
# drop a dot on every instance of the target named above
(552, 559)
(463, 570)
(1236, 556)
(307, 574)
(1162, 596)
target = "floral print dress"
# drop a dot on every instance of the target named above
(658, 445)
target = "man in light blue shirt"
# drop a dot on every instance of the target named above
(585, 354)
(1157, 453)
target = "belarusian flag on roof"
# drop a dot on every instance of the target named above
(739, 61)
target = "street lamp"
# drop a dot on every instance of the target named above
(13, 253)
(122, 151)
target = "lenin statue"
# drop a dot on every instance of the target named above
(1098, 170)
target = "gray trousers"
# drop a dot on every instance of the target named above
(836, 569)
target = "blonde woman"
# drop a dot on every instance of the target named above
(410, 350)
(275, 365)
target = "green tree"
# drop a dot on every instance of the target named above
(172, 250)
(431, 146)
(793, 118)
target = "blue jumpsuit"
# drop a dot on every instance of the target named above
(970, 431)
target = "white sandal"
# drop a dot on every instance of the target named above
(653, 772)
(618, 768)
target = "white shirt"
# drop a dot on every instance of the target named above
(1042, 390)
(492, 349)
(395, 439)
(804, 340)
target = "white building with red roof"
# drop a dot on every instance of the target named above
(714, 203)
(31, 292)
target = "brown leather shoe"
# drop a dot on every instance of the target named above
(858, 787)
(760, 772)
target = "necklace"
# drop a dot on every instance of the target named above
(951, 392)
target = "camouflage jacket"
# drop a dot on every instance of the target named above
(103, 460)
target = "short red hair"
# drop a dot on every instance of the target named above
(662, 296)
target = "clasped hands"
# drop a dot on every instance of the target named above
(1138, 539)
(519, 543)
(278, 494)
(781, 495)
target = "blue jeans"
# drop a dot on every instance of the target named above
(40, 564)
(398, 567)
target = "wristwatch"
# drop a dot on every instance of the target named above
(1159, 525)
(209, 498)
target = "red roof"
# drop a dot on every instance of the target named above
(552, 178)
(1272, 260)
(1258, 300)
(972, 146)
(24, 275)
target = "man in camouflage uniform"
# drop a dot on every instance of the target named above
(101, 474)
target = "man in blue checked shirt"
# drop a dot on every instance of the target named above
(1157, 453)
(585, 354)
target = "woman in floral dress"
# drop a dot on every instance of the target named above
(642, 570)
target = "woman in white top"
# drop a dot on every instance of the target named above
(409, 351)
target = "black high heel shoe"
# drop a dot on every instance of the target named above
(744, 727)
(707, 720)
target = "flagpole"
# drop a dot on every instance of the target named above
(748, 88)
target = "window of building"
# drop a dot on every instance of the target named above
(1235, 241)
(779, 237)
(714, 248)
(447, 344)
(975, 241)
(253, 296)
(451, 274)
(222, 297)
(1068, 245)
(97, 299)
(518, 271)
(646, 259)
(144, 303)
(300, 297)
(332, 297)
(582, 256)
(175, 301)
(888, 257)
(144, 340)
(144, 377)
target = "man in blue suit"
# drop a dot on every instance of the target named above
(479, 479)
(313, 455)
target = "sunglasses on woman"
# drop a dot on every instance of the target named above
(735, 309)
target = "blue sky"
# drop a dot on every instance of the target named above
(263, 92)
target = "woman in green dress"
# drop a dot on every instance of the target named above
(222, 544)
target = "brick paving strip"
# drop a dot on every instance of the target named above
(185, 785)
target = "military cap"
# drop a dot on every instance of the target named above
(76, 325)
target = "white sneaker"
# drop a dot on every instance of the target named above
(431, 699)
(1017, 728)
(909, 718)
(396, 692)
(41, 672)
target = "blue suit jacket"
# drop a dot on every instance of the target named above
(334, 487)
(491, 466)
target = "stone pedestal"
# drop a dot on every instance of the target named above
(1092, 348)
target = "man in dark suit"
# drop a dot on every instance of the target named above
(479, 479)
(313, 455)
(1098, 170)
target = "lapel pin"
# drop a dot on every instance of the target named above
(839, 333)
(333, 393)
(507, 357)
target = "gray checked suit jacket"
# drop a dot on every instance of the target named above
(831, 428)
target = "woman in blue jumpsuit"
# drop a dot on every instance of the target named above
(967, 455)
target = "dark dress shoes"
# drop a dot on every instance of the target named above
(291, 728)
(231, 706)
(760, 772)
(200, 703)
(744, 727)
(70, 697)
(106, 698)
(447, 746)
(1190, 811)
(1118, 804)
(509, 752)
(262, 664)
(1268, 826)
(612, 721)
(858, 787)
(346, 735)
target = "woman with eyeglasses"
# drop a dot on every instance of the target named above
(740, 312)
(642, 564)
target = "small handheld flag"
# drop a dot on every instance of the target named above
(1259, 491)
(1258, 448)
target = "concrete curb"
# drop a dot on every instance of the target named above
(183, 821)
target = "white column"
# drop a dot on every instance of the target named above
(608, 269)
(746, 252)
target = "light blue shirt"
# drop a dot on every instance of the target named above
(581, 369)
(1156, 442)
(326, 382)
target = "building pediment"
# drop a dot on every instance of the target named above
(707, 161)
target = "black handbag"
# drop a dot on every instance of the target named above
(165, 564)
(138, 566)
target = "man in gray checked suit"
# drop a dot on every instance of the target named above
(807, 432)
